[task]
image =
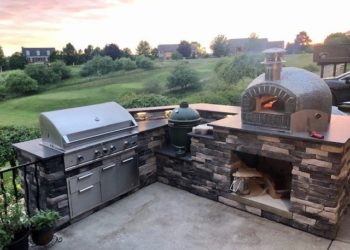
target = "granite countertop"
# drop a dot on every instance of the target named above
(337, 134)
(36, 148)
(198, 106)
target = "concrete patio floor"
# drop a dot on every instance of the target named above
(163, 217)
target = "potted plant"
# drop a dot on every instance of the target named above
(43, 225)
(14, 227)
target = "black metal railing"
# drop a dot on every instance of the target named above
(9, 177)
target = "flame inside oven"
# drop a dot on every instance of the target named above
(269, 104)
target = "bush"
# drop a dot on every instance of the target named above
(10, 135)
(153, 86)
(60, 68)
(42, 73)
(128, 64)
(118, 65)
(19, 83)
(183, 77)
(99, 65)
(176, 56)
(144, 62)
(148, 101)
(242, 66)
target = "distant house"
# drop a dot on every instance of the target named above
(239, 45)
(37, 55)
(165, 51)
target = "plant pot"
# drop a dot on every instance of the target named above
(20, 242)
(42, 237)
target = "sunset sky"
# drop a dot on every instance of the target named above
(53, 23)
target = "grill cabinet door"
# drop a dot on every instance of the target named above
(119, 178)
(85, 192)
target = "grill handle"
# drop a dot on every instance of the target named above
(127, 160)
(85, 189)
(84, 176)
(108, 167)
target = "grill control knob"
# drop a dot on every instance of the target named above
(112, 148)
(105, 150)
(97, 153)
(126, 144)
(80, 158)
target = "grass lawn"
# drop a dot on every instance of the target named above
(119, 87)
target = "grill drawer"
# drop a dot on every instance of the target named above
(83, 180)
(85, 199)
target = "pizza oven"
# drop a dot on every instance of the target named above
(286, 99)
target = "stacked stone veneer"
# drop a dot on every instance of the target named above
(320, 177)
(52, 177)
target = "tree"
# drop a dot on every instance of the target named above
(19, 83)
(302, 41)
(337, 38)
(17, 61)
(143, 48)
(127, 52)
(2, 59)
(89, 52)
(154, 53)
(112, 50)
(219, 46)
(99, 65)
(97, 52)
(69, 54)
(185, 49)
(198, 49)
(183, 77)
(56, 56)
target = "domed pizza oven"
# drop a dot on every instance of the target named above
(287, 99)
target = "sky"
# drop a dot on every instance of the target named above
(54, 23)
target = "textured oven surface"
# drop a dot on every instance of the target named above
(287, 99)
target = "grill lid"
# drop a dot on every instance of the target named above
(67, 128)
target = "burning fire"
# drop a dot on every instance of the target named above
(269, 104)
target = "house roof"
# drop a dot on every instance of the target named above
(33, 51)
(167, 48)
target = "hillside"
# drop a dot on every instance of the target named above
(123, 87)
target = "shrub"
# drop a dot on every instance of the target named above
(19, 83)
(183, 77)
(144, 62)
(118, 65)
(148, 101)
(153, 86)
(99, 65)
(128, 64)
(44, 219)
(242, 66)
(44, 74)
(10, 135)
(60, 68)
(176, 56)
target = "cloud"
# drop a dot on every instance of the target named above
(24, 22)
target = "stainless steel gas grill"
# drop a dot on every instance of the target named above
(89, 133)
(97, 143)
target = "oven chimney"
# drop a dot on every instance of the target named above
(273, 63)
